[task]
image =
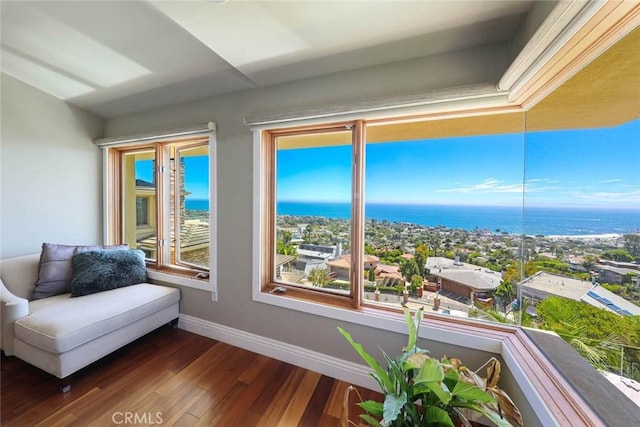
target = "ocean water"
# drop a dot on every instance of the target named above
(544, 221)
(196, 204)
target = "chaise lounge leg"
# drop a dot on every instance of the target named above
(65, 384)
(174, 323)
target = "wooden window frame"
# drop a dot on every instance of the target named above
(268, 219)
(115, 199)
(553, 396)
(507, 118)
(176, 191)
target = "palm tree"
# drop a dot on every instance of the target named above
(494, 315)
(506, 291)
(318, 277)
(285, 248)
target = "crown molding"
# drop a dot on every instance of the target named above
(590, 33)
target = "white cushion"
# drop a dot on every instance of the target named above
(58, 324)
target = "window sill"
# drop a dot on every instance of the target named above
(554, 400)
(184, 280)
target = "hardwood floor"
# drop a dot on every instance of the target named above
(175, 378)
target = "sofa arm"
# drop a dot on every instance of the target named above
(12, 308)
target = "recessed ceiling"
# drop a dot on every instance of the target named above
(118, 57)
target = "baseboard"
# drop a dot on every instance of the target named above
(330, 366)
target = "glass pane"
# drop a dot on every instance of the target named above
(193, 206)
(139, 201)
(313, 211)
(582, 212)
(444, 214)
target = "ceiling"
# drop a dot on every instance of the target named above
(120, 57)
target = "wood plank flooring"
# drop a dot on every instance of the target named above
(175, 378)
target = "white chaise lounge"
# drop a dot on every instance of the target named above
(61, 334)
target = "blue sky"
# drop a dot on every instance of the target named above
(581, 168)
(196, 175)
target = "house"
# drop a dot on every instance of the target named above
(308, 251)
(617, 273)
(77, 72)
(462, 279)
(342, 266)
(576, 264)
(542, 285)
(389, 275)
(194, 234)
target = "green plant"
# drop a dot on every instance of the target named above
(422, 391)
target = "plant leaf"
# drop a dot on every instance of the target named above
(470, 392)
(506, 405)
(415, 361)
(413, 336)
(496, 418)
(461, 418)
(372, 407)
(393, 406)
(493, 373)
(381, 376)
(437, 416)
(431, 375)
(431, 371)
(370, 420)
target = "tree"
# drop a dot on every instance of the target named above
(512, 272)
(285, 248)
(434, 241)
(307, 232)
(409, 268)
(416, 281)
(506, 291)
(595, 333)
(589, 261)
(286, 236)
(620, 255)
(372, 275)
(421, 255)
(632, 244)
(318, 276)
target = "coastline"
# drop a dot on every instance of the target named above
(587, 237)
(539, 221)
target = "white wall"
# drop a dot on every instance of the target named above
(50, 172)
(235, 174)
(51, 185)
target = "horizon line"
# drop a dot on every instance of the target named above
(333, 202)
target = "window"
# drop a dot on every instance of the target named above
(523, 218)
(142, 211)
(160, 203)
(334, 239)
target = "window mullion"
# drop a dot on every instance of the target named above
(357, 213)
(161, 230)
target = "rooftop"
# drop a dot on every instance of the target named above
(561, 286)
(465, 274)
(605, 299)
(619, 270)
(480, 280)
(580, 290)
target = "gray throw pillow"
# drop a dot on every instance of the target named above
(98, 271)
(55, 270)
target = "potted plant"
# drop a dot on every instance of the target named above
(422, 391)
